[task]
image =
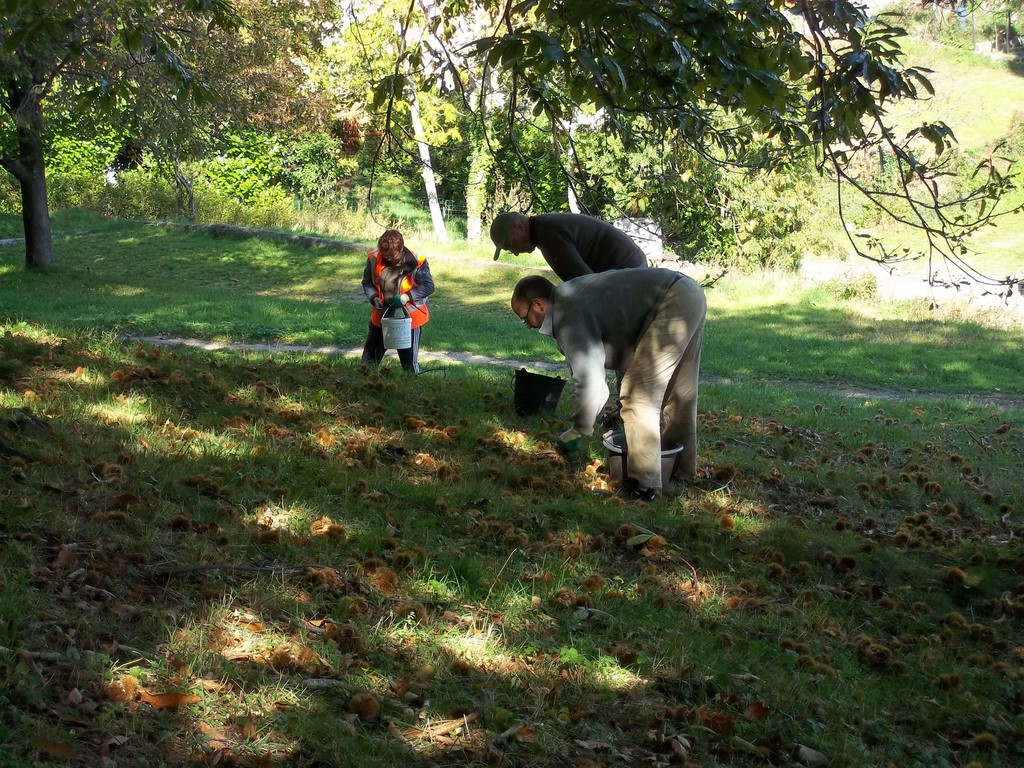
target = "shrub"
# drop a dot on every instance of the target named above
(138, 194)
(313, 167)
(270, 207)
(767, 211)
(853, 286)
(72, 189)
(10, 195)
(240, 178)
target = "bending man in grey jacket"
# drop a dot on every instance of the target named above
(648, 323)
(572, 244)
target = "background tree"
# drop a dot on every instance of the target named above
(1005, 16)
(83, 51)
(379, 63)
(260, 84)
(155, 70)
(743, 84)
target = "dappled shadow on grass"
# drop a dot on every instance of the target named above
(263, 561)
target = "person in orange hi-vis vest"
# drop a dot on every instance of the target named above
(396, 280)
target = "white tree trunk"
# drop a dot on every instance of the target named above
(574, 205)
(475, 196)
(428, 170)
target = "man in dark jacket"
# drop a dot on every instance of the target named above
(648, 323)
(572, 244)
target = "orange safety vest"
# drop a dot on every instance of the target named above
(419, 313)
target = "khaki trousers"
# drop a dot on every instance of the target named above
(659, 389)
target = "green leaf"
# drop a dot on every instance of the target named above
(554, 52)
(570, 656)
(640, 538)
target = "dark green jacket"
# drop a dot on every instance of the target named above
(573, 245)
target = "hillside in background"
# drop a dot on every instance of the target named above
(977, 93)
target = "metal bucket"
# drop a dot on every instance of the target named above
(534, 392)
(397, 332)
(615, 447)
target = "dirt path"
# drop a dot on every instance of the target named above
(428, 356)
(466, 358)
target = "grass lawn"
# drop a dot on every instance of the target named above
(135, 279)
(254, 559)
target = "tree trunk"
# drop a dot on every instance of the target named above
(476, 192)
(574, 203)
(35, 215)
(29, 168)
(429, 185)
(428, 170)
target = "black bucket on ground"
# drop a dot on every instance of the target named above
(535, 392)
(615, 447)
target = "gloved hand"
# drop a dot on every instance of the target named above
(570, 440)
(376, 303)
(395, 302)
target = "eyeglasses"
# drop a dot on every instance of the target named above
(525, 316)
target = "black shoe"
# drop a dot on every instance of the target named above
(631, 491)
